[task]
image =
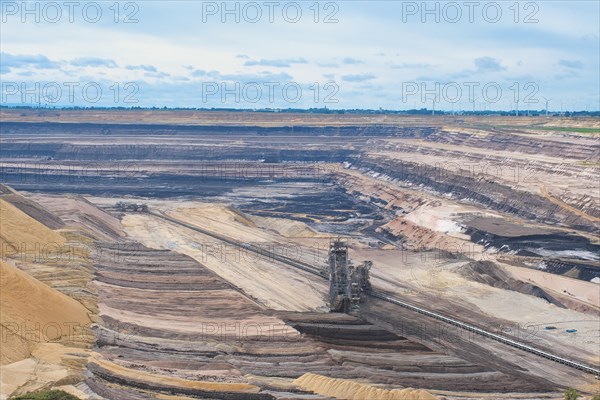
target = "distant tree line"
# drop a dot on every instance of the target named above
(421, 111)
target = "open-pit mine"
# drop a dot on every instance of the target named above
(178, 254)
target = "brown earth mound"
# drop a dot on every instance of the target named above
(494, 275)
(33, 313)
(31, 208)
(344, 389)
(22, 235)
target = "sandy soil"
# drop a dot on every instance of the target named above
(176, 382)
(252, 273)
(345, 389)
(419, 276)
(48, 364)
(586, 292)
(45, 332)
(148, 296)
(89, 220)
(287, 228)
(25, 238)
(36, 313)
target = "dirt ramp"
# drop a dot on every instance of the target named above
(344, 389)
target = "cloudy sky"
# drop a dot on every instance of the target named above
(280, 54)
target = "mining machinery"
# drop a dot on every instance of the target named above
(348, 284)
(131, 207)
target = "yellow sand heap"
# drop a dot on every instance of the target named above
(25, 238)
(167, 380)
(33, 313)
(344, 389)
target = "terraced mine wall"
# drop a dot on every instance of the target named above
(47, 143)
(563, 253)
(490, 194)
(515, 143)
(330, 344)
(63, 152)
(50, 128)
(527, 245)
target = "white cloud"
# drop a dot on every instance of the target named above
(172, 46)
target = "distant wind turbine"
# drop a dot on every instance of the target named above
(474, 99)
(547, 101)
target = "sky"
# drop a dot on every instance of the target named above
(463, 55)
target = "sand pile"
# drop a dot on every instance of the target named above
(109, 368)
(24, 237)
(31, 208)
(492, 274)
(33, 313)
(83, 216)
(222, 219)
(287, 228)
(344, 389)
